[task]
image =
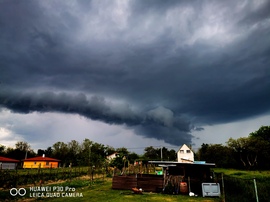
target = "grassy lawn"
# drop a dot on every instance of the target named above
(240, 184)
(236, 181)
(243, 174)
(101, 191)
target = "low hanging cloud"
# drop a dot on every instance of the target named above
(158, 123)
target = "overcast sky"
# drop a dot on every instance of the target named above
(133, 73)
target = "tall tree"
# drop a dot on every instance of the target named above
(2, 150)
(240, 147)
(151, 153)
(22, 150)
(216, 153)
(263, 133)
(73, 152)
(85, 154)
(49, 151)
(60, 151)
(132, 157)
(22, 146)
(122, 151)
(40, 152)
(250, 150)
(262, 139)
(98, 154)
(109, 150)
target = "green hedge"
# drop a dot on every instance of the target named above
(239, 189)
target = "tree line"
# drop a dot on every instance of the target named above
(71, 153)
(250, 152)
(87, 153)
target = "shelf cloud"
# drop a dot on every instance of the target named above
(161, 68)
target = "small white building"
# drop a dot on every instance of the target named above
(185, 154)
(112, 156)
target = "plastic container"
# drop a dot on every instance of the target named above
(183, 188)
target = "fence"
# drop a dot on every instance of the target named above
(13, 178)
(235, 189)
(150, 183)
(245, 190)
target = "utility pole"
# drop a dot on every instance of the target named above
(90, 167)
(161, 153)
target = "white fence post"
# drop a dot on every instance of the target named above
(256, 192)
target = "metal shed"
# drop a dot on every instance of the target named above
(8, 163)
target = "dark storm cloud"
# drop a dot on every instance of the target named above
(153, 123)
(181, 64)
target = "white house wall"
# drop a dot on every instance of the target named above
(185, 154)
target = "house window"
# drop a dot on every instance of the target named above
(35, 163)
(47, 163)
(181, 151)
(188, 151)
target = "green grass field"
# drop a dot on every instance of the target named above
(243, 174)
(101, 191)
(238, 187)
(240, 184)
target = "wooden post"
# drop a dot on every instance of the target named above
(189, 190)
(223, 188)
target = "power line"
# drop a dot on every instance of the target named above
(159, 146)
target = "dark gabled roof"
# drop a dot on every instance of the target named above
(41, 158)
(4, 159)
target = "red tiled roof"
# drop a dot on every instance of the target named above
(4, 159)
(40, 158)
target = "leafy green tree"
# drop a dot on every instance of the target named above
(22, 146)
(263, 133)
(98, 155)
(132, 157)
(122, 151)
(49, 151)
(172, 155)
(40, 152)
(118, 162)
(21, 151)
(73, 152)
(202, 152)
(109, 150)
(2, 150)
(151, 153)
(167, 155)
(251, 151)
(261, 145)
(60, 151)
(240, 147)
(85, 152)
(216, 153)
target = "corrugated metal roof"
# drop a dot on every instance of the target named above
(4, 159)
(180, 163)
